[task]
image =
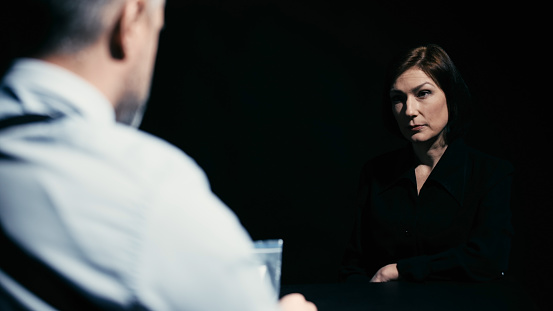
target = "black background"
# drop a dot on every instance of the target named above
(279, 102)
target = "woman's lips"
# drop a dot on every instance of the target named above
(416, 127)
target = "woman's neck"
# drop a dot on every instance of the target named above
(429, 153)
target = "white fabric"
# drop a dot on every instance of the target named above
(123, 214)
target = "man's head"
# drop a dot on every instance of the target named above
(110, 43)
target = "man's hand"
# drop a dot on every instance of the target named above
(386, 274)
(296, 302)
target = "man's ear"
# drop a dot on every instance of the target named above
(125, 28)
(116, 47)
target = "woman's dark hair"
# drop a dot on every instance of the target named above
(435, 62)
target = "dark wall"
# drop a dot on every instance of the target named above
(279, 102)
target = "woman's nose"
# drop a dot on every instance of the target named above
(411, 107)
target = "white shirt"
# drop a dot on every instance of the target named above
(119, 212)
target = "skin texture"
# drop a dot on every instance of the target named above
(420, 108)
(386, 274)
(137, 85)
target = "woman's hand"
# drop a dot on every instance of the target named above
(386, 274)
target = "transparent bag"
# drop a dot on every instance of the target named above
(270, 255)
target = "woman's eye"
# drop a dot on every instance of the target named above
(396, 99)
(423, 93)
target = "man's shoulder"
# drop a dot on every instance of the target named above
(149, 153)
(119, 149)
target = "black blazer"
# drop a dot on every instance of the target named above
(457, 228)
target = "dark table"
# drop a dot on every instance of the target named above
(401, 295)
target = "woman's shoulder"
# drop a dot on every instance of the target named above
(483, 161)
(387, 157)
(389, 164)
(481, 170)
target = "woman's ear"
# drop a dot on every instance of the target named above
(126, 28)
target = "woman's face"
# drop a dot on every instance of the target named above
(419, 106)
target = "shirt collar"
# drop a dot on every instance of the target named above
(398, 167)
(45, 88)
(450, 171)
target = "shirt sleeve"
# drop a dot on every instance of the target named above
(484, 256)
(195, 254)
(354, 265)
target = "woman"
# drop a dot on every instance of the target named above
(436, 209)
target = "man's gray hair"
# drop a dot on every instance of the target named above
(76, 24)
(73, 24)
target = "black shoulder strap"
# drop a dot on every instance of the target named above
(43, 281)
(34, 275)
(23, 119)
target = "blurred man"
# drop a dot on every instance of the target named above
(96, 215)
